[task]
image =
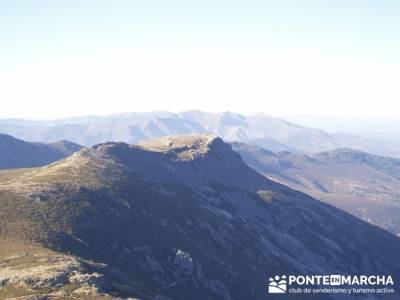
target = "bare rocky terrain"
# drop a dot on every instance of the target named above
(181, 217)
(33, 272)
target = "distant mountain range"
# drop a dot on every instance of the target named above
(380, 128)
(262, 130)
(15, 153)
(363, 184)
(177, 218)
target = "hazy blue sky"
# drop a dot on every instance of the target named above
(61, 58)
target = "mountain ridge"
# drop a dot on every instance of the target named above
(363, 184)
(261, 129)
(184, 217)
(15, 153)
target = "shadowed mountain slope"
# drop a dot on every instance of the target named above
(363, 184)
(182, 217)
(15, 153)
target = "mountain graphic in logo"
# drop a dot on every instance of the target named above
(277, 285)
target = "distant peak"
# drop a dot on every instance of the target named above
(346, 154)
(65, 146)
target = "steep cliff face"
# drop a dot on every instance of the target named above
(183, 217)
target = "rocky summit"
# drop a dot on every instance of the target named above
(179, 218)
